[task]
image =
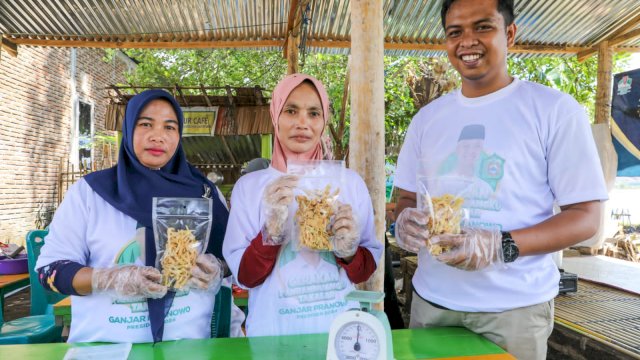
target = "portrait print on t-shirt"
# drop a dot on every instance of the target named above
(470, 159)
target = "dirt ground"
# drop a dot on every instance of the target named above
(17, 305)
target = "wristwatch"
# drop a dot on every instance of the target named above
(510, 250)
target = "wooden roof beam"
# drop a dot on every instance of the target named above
(148, 45)
(620, 36)
(518, 48)
(290, 24)
(631, 35)
(10, 47)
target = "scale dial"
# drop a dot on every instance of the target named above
(357, 340)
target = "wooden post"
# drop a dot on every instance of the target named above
(603, 91)
(292, 53)
(366, 143)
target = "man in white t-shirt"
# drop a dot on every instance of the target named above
(519, 147)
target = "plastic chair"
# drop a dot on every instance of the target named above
(40, 327)
(221, 317)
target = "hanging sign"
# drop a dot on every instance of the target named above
(625, 127)
(199, 120)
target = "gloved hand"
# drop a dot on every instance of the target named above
(276, 199)
(411, 229)
(206, 274)
(473, 249)
(345, 232)
(128, 281)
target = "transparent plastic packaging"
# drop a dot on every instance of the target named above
(208, 273)
(181, 228)
(442, 199)
(316, 200)
(128, 282)
(277, 198)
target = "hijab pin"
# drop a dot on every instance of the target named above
(207, 192)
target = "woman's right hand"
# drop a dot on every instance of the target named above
(276, 199)
(129, 281)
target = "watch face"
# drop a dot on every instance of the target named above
(510, 251)
(357, 340)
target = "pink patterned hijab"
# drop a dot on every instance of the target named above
(278, 99)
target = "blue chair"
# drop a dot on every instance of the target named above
(40, 326)
(221, 317)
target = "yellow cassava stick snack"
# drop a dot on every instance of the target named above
(313, 215)
(179, 257)
(446, 217)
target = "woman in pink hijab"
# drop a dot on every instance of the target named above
(296, 291)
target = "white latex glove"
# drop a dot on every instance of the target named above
(277, 197)
(473, 249)
(206, 274)
(128, 281)
(411, 229)
(346, 236)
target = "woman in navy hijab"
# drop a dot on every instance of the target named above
(101, 250)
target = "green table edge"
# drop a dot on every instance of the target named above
(429, 343)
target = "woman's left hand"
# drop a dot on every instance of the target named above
(345, 232)
(206, 274)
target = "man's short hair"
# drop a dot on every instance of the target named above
(505, 7)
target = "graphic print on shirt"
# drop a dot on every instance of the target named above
(133, 253)
(471, 160)
(309, 284)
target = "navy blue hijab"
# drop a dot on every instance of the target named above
(130, 187)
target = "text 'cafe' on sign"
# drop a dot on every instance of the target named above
(199, 120)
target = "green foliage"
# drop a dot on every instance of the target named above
(266, 68)
(211, 68)
(578, 79)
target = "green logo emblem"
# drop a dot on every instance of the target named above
(492, 170)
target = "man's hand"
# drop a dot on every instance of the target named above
(411, 229)
(473, 249)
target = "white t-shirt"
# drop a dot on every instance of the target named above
(520, 148)
(306, 290)
(88, 230)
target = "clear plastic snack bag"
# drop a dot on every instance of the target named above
(181, 228)
(316, 198)
(442, 199)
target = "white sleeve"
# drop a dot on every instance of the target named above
(574, 170)
(67, 232)
(242, 227)
(366, 220)
(410, 154)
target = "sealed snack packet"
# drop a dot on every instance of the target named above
(442, 198)
(316, 198)
(313, 216)
(181, 228)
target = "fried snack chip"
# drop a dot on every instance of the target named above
(313, 216)
(446, 217)
(179, 257)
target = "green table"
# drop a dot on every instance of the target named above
(435, 343)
